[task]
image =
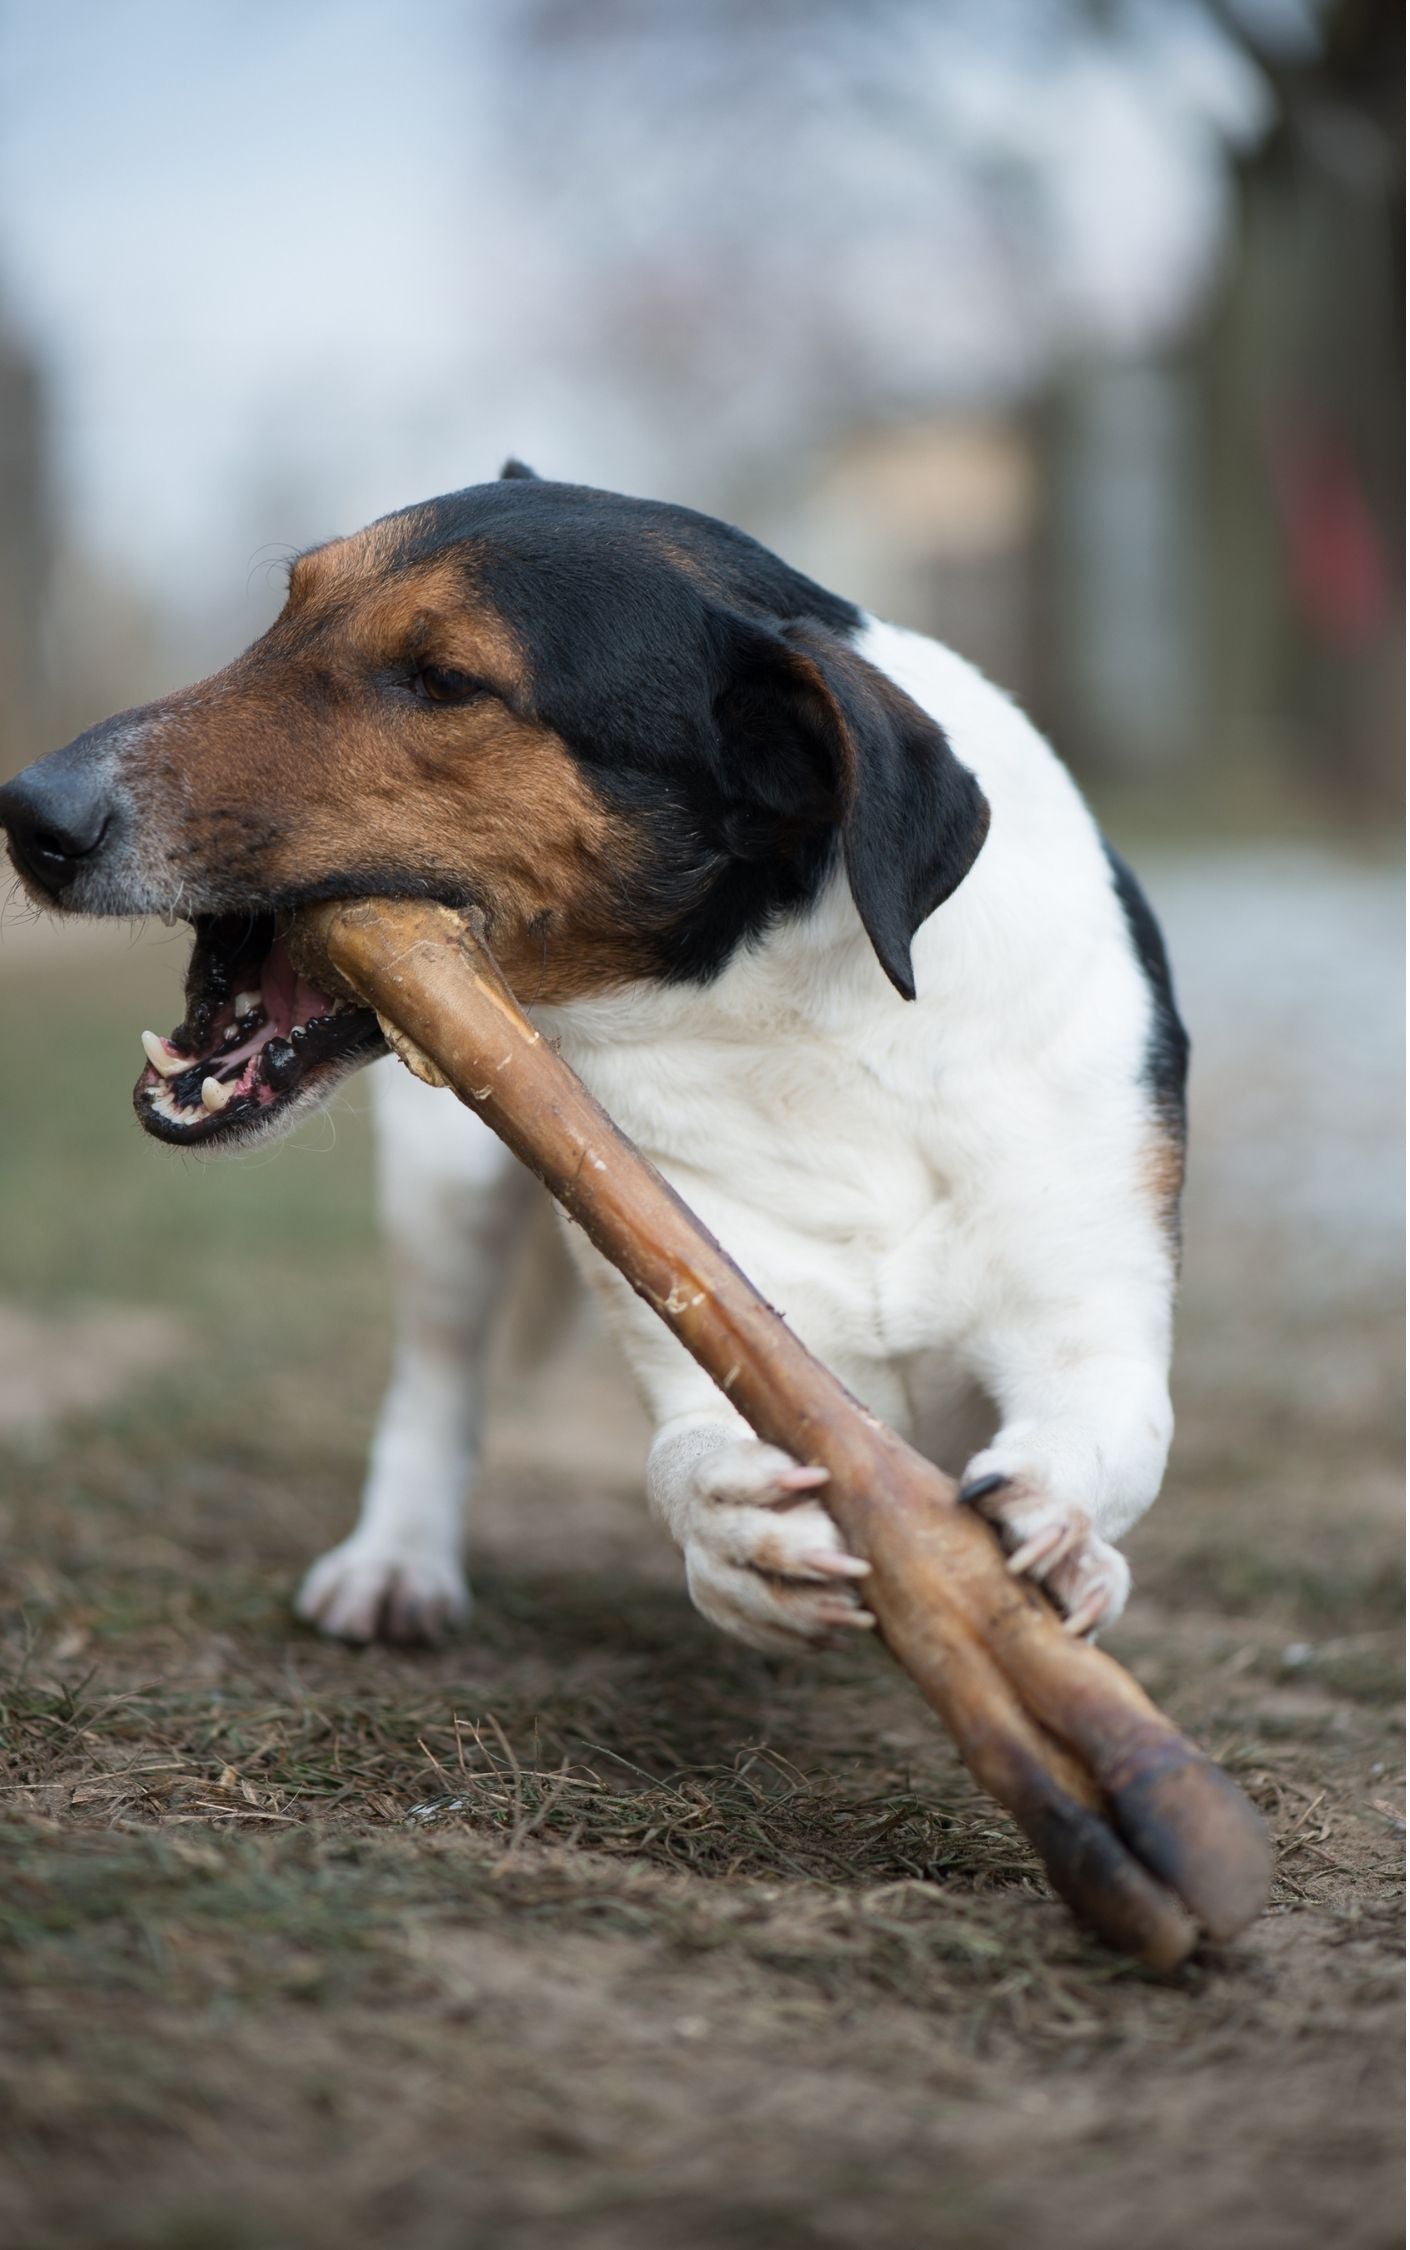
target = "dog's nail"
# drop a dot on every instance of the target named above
(161, 1057)
(1082, 1620)
(836, 1566)
(214, 1096)
(833, 1613)
(1070, 1541)
(980, 1489)
(1035, 1549)
(800, 1479)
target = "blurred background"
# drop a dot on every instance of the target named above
(1070, 331)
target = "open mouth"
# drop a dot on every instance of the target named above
(258, 1041)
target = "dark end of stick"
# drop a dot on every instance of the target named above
(1090, 1867)
(1197, 1832)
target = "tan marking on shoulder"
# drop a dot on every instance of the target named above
(1163, 1175)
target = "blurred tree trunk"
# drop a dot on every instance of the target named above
(1120, 544)
(1304, 458)
(26, 554)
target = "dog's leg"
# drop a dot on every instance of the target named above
(452, 1199)
(1078, 1457)
(764, 1561)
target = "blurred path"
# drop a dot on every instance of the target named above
(1289, 968)
(1290, 972)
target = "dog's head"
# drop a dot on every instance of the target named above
(628, 735)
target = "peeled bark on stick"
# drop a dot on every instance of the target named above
(1148, 1842)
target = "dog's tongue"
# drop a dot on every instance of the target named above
(289, 998)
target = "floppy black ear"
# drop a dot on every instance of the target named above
(812, 731)
(517, 468)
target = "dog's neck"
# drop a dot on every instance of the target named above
(815, 972)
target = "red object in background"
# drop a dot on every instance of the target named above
(1337, 559)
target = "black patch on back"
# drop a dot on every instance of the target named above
(1168, 1055)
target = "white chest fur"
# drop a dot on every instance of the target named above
(877, 1164)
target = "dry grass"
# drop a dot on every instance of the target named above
(593, 1930)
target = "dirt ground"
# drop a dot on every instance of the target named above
(593, 1930)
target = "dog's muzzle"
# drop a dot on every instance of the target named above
(72, 827)
(258, 1045)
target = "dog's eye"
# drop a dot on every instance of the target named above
(440, 684)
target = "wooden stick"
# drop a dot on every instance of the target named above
(1146, 1840)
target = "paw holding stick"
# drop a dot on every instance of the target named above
(1147, 1841)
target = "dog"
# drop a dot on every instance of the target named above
(816, 913)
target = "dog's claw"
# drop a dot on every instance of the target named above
(980, 1489)
(835, 1566)
(1086, 1617)
(1035, 1550)
(800, 1479)
(846, 1613)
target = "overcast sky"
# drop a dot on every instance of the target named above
(239, 233)
(291, 265)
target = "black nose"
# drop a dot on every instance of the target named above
(57, 814)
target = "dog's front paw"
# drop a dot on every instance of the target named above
(1052, 1542)
(763, 1560)
(366, 1590)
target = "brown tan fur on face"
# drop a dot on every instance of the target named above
(291, 773)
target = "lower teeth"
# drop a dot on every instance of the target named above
(278, 1064)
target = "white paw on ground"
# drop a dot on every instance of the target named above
(764, 1561)
(1052, 1542)
(364, 1590)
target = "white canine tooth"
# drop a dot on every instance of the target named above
(214, 1096)
(160, 1057)
(244, 1001)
